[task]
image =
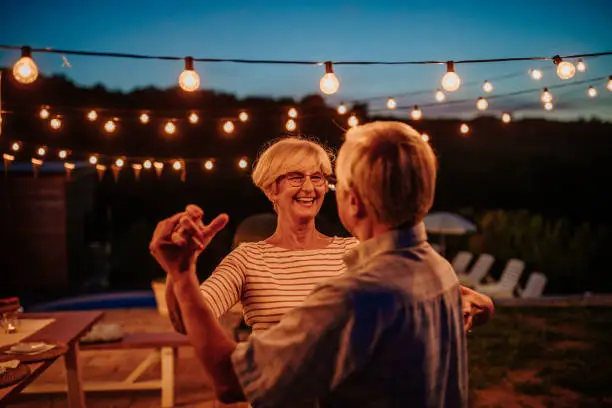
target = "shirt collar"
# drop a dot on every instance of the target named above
(397, 238)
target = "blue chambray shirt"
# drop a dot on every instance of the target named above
(388, 333)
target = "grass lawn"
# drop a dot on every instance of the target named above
(542, 357)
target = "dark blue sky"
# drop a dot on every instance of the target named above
(323, 30)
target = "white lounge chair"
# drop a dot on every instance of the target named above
(534, 286)
(461, 261)
(478, 271)
(508, 281)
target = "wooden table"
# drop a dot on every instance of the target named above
(67, 328)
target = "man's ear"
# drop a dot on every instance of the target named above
(357, 206)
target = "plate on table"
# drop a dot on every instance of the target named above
(10, 376)
(32, 352)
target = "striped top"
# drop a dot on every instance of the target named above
(269, 280)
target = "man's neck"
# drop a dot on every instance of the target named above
(368, 228)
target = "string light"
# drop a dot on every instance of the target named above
(41, 151)
(62, 154)
(93, 160)
(189, 80)
(170, 128)
(416, 113)
(147, 164)
(536, 74)
(119, 162)
(548, 106)
(565, 69)
(292, 113)
(609, 86)
(487, 86)
(464, 129)
(55, 123)
(546, 96)
(69, 166)
(16, 146)
(329, 83)
(451, 81)
(506, 117)
(440, 96)
(391, 104)
(592, 92)
(425, 137)
(177, 165)
(158, 165)
(25, 70)
(290, 125)
(193, 118)
(208, 165)
(581, 66)
(44, 113)
(228, 127)
(144, 118)
(242, 163)
(342, 109)
(8, 157)
(92, 115)
(243, 116)
(482, 104)
(110, 126)
(353, 121)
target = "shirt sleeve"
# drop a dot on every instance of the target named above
(223, 289)
(312, 349)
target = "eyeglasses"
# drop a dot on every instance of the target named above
(296, 179)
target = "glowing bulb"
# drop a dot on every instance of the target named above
(329, 83)
(506, 117)
(425, 137)
(92, 115)
(110, 126)
(177, 165)
(62, 154)
(189, 80)
(15, 146)
(25, 70)
(44, 113)
(592, 92)
(353, 121)
(147, 164)
(93, 160)
(194, 118)
(228, 127)
(292, 113)
(290, 125)
(451, 81)
(144, 118)
(609, 86)
(208, 165)
(391, 104)
(243, 116)
(55, 123)
(158, 165)
(170, 128)
(242, 163)
(119, 162)
(536, 74)
(566, 70)
(42, 151)
(581, 66)
(546, 96)
(482, 104)
(69, 166)
(416, 113)
(440, 96)
(464, 128)
(548, 106)
(487, 86)
(341, 109)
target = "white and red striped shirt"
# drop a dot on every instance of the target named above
(269, 280)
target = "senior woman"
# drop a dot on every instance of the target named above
(272, 276)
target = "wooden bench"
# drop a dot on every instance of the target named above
(166, 346)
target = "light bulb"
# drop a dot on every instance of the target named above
(228, 127)
(440, 96)
(119, 162)
(25, 70)
(170, 128)
(144, 118)
(69, 166)
(15, 146)
(482, 104)
(391, 104)
(189, 80)
(425, 137)
(353, 121)
(546, 96)
(62, 154)
(110, 126)
(55, 123)
(44, 113)
(464, 128)
(158, 165)
(342, 109)
(243, 116)
(292, 113)
(242, 163)
(93, 160)
(290, 125)
(548, 106)
(92, 115)
(592, 92)
(329, 83)
(609, 86)
(177, 165)
(42, 151)
(487, 86)
(581, 66)
(536, 74)
(416, 113)
(208, 165)
(506, 117)
(450, 81)
(147, 164)
(194, 118)
(566, 70)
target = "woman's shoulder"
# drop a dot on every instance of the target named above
(346, 242)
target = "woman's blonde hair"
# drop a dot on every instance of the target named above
(289, 154)
(392, 170)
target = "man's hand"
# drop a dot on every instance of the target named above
(477, 308)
